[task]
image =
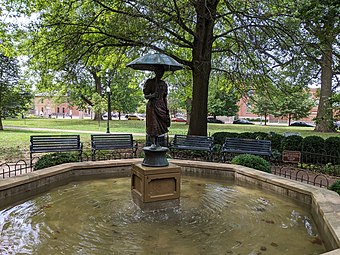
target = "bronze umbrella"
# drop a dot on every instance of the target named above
(149, 61)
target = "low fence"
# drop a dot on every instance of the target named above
(317, 174)
(293, 173)
(14, 169)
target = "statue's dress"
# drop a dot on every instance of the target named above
(157, 112)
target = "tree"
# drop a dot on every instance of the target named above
(222, 99)
(126, 94)
(180, 92)
(320, 29)
(238, 39)
(263, 104)
(295, 104)
(14, 95)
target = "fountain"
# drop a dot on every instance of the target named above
(167, 223)
(155, 184)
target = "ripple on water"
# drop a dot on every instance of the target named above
(99, 217)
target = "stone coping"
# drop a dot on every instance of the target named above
(324, 204)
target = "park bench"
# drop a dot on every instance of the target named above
(55, 143)
(234, 146)
(117, 142)
(192, 143)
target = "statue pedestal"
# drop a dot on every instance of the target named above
(155, 157)
(154, 188)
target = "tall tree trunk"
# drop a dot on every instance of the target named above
(201, 65)
(1, 126)
(188, 104)
(324, 118)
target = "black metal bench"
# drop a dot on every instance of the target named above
(113, 142)
(246, 146)
(55, 143)
(192, 143)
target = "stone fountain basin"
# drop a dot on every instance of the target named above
(324, 204)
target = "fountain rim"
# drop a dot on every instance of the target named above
(324, 204)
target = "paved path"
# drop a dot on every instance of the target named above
(66, 130)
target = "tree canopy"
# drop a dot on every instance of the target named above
(250, 42)
(15, 96)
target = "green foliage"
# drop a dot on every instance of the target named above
(276, 155)
(314, 144)
(332, 146)
(261, 135)
(14, 94)
(319, 25)
(276, 140)
(263, 102)
(294, 104)
(222, 100)
(331, 169)
(335, 187)
(219, 137)
(54, 159)
(252, 161)
(247, 135)
(291, 143)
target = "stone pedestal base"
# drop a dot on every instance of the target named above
(155, 188)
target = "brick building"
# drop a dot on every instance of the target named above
(44, 106)
(245, 111)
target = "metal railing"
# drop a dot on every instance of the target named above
(14, 169)
(291, 172)
(314, 174)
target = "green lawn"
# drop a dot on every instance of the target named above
(15, 143)
(133, 126)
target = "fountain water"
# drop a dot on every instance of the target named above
(200, 221)
(214, 217)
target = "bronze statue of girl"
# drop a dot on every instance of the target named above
(157, 112)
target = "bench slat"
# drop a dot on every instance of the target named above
(54, 143)
(112, 142)
(195, 143)
(246, 146)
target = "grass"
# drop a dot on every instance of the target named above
(132, 126)
(15, 143)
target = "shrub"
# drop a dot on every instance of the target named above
(260, 135)
(219, 137)
(335, 187)
(55, 159)
(332, 147)
(276, 155)
(276, 140)
(291, 143)
(247, 135)
(252, 161)
(331, 169)
(315, 144)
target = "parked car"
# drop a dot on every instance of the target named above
(337, 125)
(300, 124)
(178, 119)
(213, 120)
(133, 117)
(113, 115)
(243, 121)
